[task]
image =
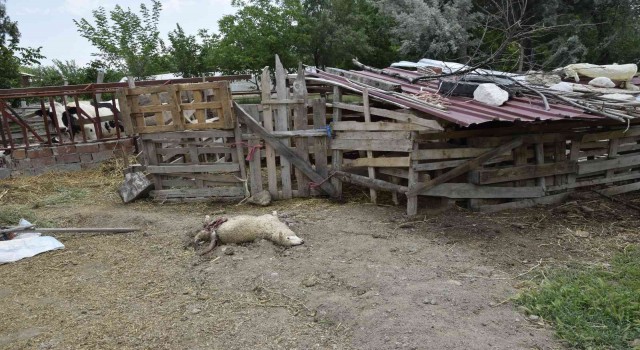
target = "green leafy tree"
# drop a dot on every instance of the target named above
(126, 40)
(256, 33)
(69, 71)
(188, 53)
(11, 54)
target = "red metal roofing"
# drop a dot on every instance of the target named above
(466, 111)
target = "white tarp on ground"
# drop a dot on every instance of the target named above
(26, 246)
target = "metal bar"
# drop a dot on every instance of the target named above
(44, 120)
(110, 87)
(79, 114)
(24, 123)
(99, 123)
(6, 124)
(116, 115)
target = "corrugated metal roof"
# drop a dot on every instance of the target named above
(465, 111)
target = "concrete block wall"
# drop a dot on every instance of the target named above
(35, 161)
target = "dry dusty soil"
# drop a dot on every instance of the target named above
(366, 277)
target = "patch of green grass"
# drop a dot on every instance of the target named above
(62, 195)
(11, 215)
(592, 307)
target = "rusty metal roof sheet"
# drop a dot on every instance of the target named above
(465, 111)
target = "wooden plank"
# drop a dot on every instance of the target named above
(179, 135)
(468, 191)
(404, 116)
(574, 156)
(451, 153)
(527, 203)
(376, 126)
(199, 192)
(202, 86)
(300, 125)
(282, 124)
(368, 135)
(372, 145)
(125, 111)
(439, 165)
(516, 173)
(378, 83)
(219, 178)
(240, 151)
(255, 169)
(539, 151)
(320, 143)
(208, 168)
(465, 168)
(337, 155)
(612, 191)
(268, 125)
(595, 166)
(286, 152)
(367, 118)
(613, 153)
(561, 156)
(611, 135)
(601, 181)
(383, 162)
(374, 184)
(413, 181)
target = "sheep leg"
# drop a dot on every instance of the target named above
(212, 245)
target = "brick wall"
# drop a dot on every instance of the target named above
(36, 161)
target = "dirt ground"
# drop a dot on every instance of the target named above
(366, 277)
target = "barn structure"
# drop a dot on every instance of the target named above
(384, 130)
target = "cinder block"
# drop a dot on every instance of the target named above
(40, 153)
(43, 162)
(5, 173)
(68, 158)
(86, 158)
(18, 154)
(107, 146)
(66, 167)
(85, 166)
(90, 148)
(102, 156)
(22, 164)
(62, 150)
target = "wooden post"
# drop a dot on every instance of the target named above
(561, 157)
(574, 156)
(320, 143)
(539, 152)
(282, 124)
(367, 119)
(414, 179)
(336, 159)
(300, 122)
(267, 116)
(613, 153)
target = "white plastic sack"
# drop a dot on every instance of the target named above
(562, 86)
(622, 72)
(602, 82)
(490, 94)
(26, 245)
(618, 97)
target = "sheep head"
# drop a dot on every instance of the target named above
(282, 233)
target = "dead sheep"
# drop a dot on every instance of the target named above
(245, 229)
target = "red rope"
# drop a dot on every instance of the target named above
(313, 185)
(252, 149)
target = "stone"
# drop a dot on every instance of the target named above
(195, 311)
(490, 94)
(618, 97)
(582, 234)
(228, 250)
(262, 198)
(455, 283)
(534, 318)
(562, 86)
(602, 82)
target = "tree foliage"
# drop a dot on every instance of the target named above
(189, 55)
(11, 54)
(69, 71)
(126, 40)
